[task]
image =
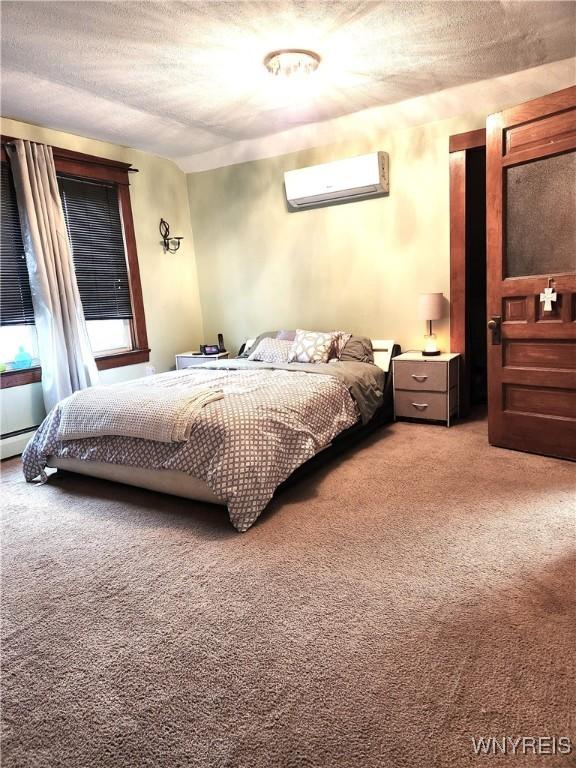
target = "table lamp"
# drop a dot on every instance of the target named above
(431, 306)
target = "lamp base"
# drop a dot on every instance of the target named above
(430, 346)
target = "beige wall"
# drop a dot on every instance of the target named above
(169, 281)
(358, 266)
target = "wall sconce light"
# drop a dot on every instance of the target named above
(171, 244)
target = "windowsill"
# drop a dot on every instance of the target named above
(118, 359)
(20, 377)
(23, 376)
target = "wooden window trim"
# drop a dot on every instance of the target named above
(99, 169)
(20, 377)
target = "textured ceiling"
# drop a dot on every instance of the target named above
(183, 78)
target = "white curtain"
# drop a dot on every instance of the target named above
(64, 347)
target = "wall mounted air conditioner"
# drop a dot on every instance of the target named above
(343, 180)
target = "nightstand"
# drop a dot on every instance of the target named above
(188, 359)
(426, 387)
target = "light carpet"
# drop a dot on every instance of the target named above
(414, 594)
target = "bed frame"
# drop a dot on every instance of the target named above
(178, 483)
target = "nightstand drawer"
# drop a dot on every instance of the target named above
(187, 359)
(421, 405)
(417, 376)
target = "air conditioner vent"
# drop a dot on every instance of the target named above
(355, 177)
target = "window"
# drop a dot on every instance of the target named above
(92, 214)
(96, 204)
(17, 330)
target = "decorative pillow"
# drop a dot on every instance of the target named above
(311, 347)
(272, 351)
(286, 335)
(358, 348)
(340, 341)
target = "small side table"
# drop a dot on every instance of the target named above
(426, 388)
(188, 359)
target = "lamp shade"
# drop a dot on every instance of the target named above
(431, 306)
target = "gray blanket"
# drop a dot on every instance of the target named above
(364, 381)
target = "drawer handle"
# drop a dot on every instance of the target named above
(420, 406)
(420, 378)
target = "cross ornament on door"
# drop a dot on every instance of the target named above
(548, 297)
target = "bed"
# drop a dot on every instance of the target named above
(274, 422)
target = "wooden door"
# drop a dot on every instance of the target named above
(531, 245)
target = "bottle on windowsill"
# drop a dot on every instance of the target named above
(22, 359)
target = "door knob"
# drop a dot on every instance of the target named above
(494, 326)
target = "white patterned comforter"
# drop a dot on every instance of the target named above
(243, 446)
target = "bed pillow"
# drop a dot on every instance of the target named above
(286, 335)
(266, 335)
(311, 347)
(272, 351)
(340, 341)
(358, 348)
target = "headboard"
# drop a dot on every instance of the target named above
(382, 351)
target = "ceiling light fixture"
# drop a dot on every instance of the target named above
(291, 62)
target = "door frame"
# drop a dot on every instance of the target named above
(459, 145)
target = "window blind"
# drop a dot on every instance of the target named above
(92, 214)
(15, 297)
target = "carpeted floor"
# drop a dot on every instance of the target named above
(416, 593)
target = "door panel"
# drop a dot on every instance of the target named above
(531, 229)
(541, 401)
(539, 132)
(540, 201)
(540, 354)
